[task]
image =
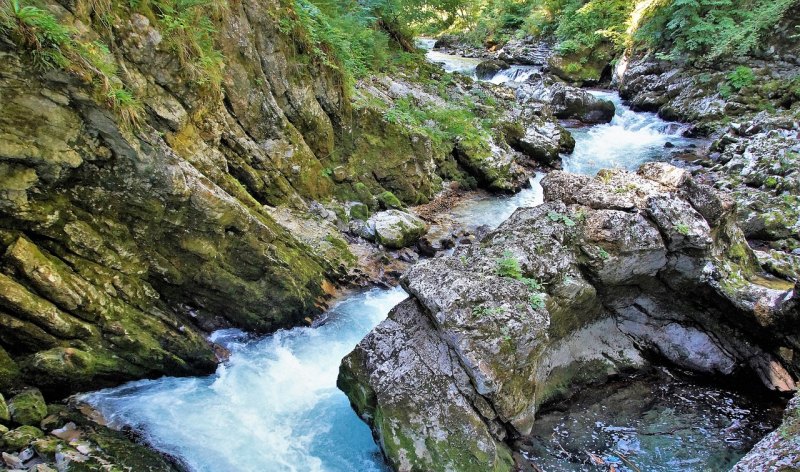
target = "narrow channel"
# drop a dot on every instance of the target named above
(274, 405)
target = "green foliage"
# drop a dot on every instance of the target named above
(508, 266)
(37, 31)
(188, 29)
(738, 79)
(583, 26)
(481, 311)
(741, 77)
(603, 254)
(711, 29)
(558, 217)
(532, 284)
(443, 125)
(54, 45)
(682, 229)
(342, 36)
(536, 301)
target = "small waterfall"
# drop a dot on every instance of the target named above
(514, 74)
(467, 65)
(451, 63)
(629, 140)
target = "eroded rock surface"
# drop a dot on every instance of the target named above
(566, 101)
(609, 272)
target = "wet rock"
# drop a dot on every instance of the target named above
(28, 407)
(531, 51)
(779, 450)
(427, 248)
(489, 68)
(396, 229)
(566, 101)
(494, 164)
(440, 428)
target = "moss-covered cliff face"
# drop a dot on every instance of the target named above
(134, 200)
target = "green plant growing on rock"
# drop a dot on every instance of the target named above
(54, 45)
(603, 254)
(38, 31)
(682, 229)
(481, 311)
(741, 77)
(508, 266)
(536, 301)
(558, 217)
(532, 284)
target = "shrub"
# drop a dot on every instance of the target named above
(741, 77)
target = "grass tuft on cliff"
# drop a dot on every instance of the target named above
(52, 44)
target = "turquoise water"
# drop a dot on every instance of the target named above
(273, 406)
(660, 422)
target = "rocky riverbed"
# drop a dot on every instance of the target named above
(547, 300)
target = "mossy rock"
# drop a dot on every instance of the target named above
(396, 229)
(585, 67)
(20, 437)
(5, 415)
(365, 196)
(359, 211)
(389, 201)
(9, 371)
(28, 407)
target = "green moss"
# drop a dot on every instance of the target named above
(562, 381)
(364, 195)
(20, 437)
(359, 212)
(9, 371)
(5, 415)
(28, 407)
(389, 201)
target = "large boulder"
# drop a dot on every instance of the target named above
(531, 131)
(608, 273)
(567, 101)
(395, 229)
(489, 68)
(494, 165)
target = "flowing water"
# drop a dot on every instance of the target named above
(274, 405)
(630, 139)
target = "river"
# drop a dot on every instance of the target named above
(274, 405)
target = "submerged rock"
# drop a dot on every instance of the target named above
(607, 273)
